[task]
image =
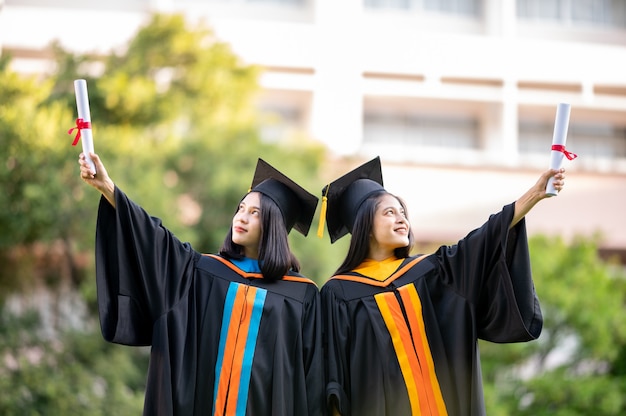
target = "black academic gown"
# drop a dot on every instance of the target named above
(408, 345)
(222, 341)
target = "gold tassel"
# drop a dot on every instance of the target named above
(320, 227)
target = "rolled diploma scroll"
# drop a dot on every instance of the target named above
(82, 104)
(559, 138)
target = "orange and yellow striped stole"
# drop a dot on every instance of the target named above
(409, 340)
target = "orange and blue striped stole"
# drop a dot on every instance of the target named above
(408, 335)
(243, 310)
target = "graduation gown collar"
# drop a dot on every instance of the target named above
(378, 270)
(384, 273)
(252, 275)
(247, 264)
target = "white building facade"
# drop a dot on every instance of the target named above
(458, 97)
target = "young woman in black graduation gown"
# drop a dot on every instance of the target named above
(401, 331)
(238, 333)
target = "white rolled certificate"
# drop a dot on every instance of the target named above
(83, 124)
(559, 138)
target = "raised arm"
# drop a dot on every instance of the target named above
(100, 180)
(537, 193)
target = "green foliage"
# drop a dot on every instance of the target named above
(562, 394)
(74, 373)
(29, 142)
(593, 304)
(174, 123)
(577, 365)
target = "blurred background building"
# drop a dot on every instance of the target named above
(458, 97)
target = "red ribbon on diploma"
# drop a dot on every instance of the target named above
(80, 124)
(561, 148)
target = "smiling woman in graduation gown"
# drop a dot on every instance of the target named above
(225, 340)
(401, 331)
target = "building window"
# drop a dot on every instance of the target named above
(539, 9)
(420, 130)
(280, 2)
(281, 121)
(471, 8)
(270, 2)
(388, 4)
(594, 141)
(460, 7)
(610, 13)
(600, 12)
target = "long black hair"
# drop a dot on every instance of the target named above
(362, 231)
(275, 256)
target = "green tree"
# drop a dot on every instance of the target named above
(576, 367)
(175, 124)
(38, 185)
(173, 120)
(75, 373)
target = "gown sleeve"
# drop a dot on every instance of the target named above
(490, 267)
(313, 353)
(141, 270)
(335, 318)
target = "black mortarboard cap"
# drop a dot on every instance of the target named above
(296, 204)
(343, 197)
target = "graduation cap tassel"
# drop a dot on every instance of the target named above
(320, 227)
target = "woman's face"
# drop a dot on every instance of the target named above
(246, 229)
(391, 228)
